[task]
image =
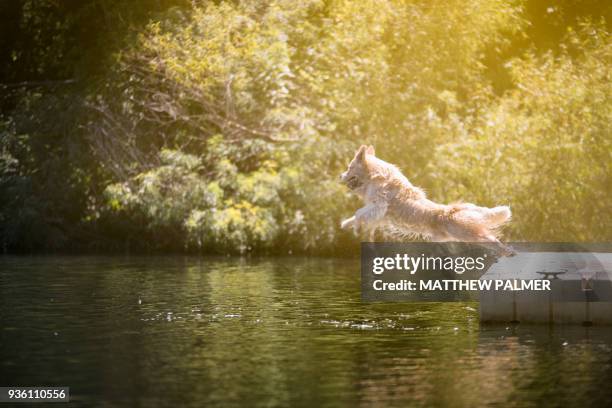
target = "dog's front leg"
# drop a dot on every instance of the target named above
(369, 215)
(349, 222)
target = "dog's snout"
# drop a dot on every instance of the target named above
(343, 176)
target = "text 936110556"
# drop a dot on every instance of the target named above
(34, 394)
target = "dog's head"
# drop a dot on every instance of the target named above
(357, 174)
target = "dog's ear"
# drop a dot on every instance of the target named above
(370, 150)
(360, 155)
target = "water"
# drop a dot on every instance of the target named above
(193, 332)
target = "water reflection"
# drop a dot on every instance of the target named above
(168, 331)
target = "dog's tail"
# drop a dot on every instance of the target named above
(497, 216)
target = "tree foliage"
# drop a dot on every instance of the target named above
(223, 126)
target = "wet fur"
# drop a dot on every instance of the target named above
(394, 205)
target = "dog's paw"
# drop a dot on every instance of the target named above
(347, 223)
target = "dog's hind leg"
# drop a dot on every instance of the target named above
(503, 249)
(489, 240)
(464, 233)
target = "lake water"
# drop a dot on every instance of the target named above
(194, 332)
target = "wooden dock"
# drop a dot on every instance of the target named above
(580, 289)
